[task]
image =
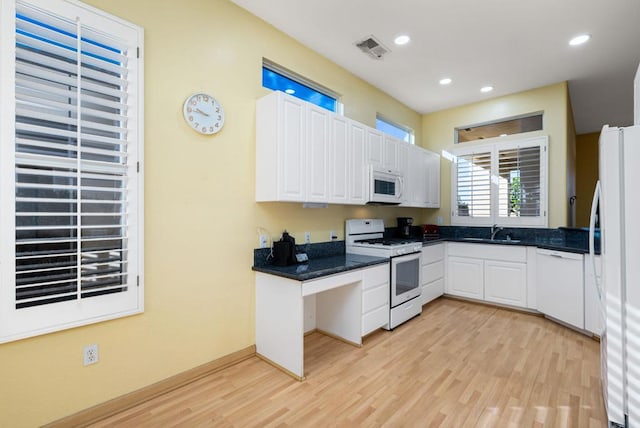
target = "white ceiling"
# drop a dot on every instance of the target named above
(513, 45)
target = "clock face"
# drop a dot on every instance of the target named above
(203, 113)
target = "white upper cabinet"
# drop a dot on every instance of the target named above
(422, 178)
(390, 148)
(318, 153)
(280, 148)
(358, 170)
(375, 141)
(339, 160)
(305, 153)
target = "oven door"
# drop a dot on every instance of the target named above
(405, 278)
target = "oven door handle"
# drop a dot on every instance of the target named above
(405, 258)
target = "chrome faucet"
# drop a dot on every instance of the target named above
(494, 231)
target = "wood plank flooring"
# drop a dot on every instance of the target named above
(457, 365)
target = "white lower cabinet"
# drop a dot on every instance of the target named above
(492, 273)
(432, 272)
(375, 298)
(505, 283)
(465, 277)
(561, 286)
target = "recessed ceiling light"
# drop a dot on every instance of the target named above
(402, 40)
(578, 40)
(445, 81)
(290, 91)
(486, 89)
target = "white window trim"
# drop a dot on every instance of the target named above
(494, 146)
(28, 322)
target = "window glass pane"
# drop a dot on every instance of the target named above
(474, 185)
(394, 130)
(519, 182)
(279, 82)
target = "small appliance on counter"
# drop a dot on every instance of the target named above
(430, 231)
(284, 250)
(404, 226)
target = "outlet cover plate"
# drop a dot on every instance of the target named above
(90, 354)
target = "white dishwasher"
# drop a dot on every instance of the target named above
(561, 286)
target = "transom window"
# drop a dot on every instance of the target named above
(503, 183)
(398, 131)
(278, 78)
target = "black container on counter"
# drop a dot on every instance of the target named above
(284, 250)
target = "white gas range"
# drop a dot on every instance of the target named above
(366, 237)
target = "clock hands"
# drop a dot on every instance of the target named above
(201, 112)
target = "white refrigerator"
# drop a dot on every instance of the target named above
(618, 193)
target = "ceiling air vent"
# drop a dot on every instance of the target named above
(372, 47)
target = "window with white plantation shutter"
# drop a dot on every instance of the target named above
(474, 185)
(501, 183)
(74, 191)
(519, 182)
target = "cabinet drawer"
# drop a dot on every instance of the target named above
(375, 319)
(432, 272)
(506, 253)
(375, 297)
(375, 276)
(432, 291)
(432, 253)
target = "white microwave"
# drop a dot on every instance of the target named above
(385, 186)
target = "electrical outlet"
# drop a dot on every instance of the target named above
(307, 237)
(263, 241)
(332, 235)
(439, 220)
(90, 354)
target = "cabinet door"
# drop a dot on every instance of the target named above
(432, 178)
(358, 170)
(291, 148)
(339, 160)
(390, 153)
(560, 286)
(465, 277)
(592, 306)
(414, 173)
(318, 154)
(505, 283)
(375, 140)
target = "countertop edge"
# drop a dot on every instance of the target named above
(318, 274)
(520, 244)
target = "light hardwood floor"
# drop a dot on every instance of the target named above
(457, 365)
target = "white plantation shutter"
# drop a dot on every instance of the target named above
(519, 192)
(502, 183)
(473, 185)
(76, 188)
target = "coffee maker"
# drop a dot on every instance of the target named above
(404, 227)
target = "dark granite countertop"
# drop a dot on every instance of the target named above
(321, 266)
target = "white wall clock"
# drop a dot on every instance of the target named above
(203, 113)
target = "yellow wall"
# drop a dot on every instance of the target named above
(586, 175)
(200, 213)
(438, 135)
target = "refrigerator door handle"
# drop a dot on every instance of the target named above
(592, 230)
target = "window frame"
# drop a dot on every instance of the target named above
(494, 147)
(303, 81)
(408, 130)
(26, 322)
